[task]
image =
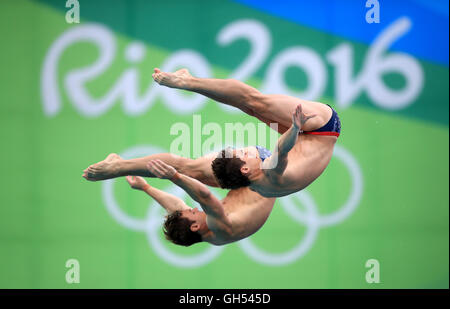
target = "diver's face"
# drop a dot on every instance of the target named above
(192, 214)
(195, 216)
(250, 156)
(247, 153)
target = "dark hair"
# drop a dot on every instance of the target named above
(227, 170)
(178, 230)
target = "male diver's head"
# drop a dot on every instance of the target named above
(185, 227)
(236, 168)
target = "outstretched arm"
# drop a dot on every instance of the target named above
(198, 191)
(278, 160)
(169, 202)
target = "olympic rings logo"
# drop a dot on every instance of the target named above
(313, 221)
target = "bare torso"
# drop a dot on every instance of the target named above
(246, 210)
(306, 161)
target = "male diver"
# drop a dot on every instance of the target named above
(301, 155)
(240, 214)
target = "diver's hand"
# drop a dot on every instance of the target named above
(137, 182)
(161, 169)
(299, 118)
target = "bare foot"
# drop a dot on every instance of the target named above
(172, 80)
(106, 169)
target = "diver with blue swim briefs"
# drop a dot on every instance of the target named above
(296, 161)
(309, 131)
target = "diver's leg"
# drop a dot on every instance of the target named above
(115, 166)
(270, 107)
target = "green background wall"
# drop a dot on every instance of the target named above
(384, 195)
